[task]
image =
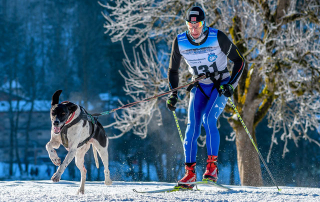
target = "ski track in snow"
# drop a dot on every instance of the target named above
(122, 191)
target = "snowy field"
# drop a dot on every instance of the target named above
(122, 191)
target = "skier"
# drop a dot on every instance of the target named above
(205, 50)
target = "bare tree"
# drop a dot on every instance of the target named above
(144, 79)
(280, 41)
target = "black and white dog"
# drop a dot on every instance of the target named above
(74, 128)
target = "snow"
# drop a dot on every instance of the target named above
(122, 191)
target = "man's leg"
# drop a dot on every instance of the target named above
(213, 110)
(196, 108)
(195, 111)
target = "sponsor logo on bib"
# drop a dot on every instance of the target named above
(212, 57)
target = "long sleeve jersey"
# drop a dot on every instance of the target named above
(219, 47)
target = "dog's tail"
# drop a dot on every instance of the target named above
(95, 156)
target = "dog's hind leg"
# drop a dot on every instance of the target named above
(80, 164)
(103, 152)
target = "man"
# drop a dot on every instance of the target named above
(205, 50)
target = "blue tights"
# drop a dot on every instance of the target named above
(203, 111)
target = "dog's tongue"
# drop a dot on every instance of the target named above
(56, 129)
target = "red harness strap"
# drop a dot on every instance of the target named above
(69, 120)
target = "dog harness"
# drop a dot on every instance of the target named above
(85, 116)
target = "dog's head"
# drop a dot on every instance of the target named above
(60, 113)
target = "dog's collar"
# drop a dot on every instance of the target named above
(70, 119)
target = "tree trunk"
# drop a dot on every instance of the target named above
(27, 138)
(248, 160)
(15, 137)
(232, 165)
(170, 165)
(148, 171)
(140, 165)
(11, 118)
(11, 152)
(16, 148)
(247, 156)
(282, 7)
(159, 167)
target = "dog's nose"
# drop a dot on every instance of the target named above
(56, 123)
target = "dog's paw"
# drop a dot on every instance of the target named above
(56, 177)
(56, 161)
(108, 182)
(81, 191)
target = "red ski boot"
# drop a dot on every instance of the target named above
(190, 176)
(212, 169)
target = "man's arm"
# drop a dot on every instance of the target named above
(174, 64)
(233, 53)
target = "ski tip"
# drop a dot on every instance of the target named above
(161, 190)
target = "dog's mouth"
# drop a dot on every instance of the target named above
(56, 129)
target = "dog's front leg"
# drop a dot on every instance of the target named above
(51, 145)
(57, 175)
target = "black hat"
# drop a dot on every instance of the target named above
(195, 14)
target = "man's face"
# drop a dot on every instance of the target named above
(195, 29)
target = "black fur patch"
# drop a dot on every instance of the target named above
(100, 135)
(61, 112)
(71, 107)
(55, 97)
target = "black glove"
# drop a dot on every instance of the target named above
(226, 90)
(172, 101)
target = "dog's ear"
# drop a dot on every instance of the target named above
(55, 97)
(71, 107)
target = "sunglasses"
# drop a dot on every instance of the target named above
(194, 25)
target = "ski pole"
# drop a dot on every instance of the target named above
(247, 131)
(150, 98)
(177, 123)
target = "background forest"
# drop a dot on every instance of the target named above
(50, 45)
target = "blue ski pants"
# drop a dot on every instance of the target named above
(203, 111)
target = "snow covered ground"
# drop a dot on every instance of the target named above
(122, 191)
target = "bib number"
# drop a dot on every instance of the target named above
(202, 69)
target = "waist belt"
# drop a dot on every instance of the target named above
(216, 82)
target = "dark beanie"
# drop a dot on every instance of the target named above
(195, 14)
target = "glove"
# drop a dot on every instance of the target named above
(226, 90)
(172, 101)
